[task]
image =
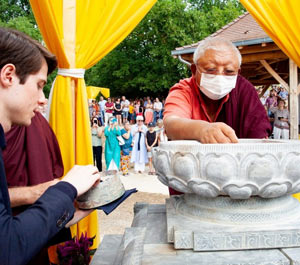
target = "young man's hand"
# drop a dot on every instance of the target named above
(82, 178)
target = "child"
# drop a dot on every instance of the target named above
(160, 130)
(151, 141)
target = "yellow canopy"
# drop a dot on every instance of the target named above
(80, 33)
(93, 91)
(280, 20)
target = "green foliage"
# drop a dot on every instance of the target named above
(142, 64)
(10, 9)
(24, 24)
(207, 5)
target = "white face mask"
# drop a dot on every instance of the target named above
(217, 86)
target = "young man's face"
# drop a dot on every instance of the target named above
(24, 99)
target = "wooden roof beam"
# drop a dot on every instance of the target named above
(263, 56)
(274, 74)
(258, 48)
(261, 82)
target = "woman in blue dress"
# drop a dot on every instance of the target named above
(112, 147)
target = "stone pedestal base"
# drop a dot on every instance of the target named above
(145, 243)
(225, 224)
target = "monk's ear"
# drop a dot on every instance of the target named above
(193, 69)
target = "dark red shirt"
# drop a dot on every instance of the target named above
(109, 105)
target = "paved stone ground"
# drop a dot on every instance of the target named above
(150, 190)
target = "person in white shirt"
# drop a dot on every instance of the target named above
(102, 109)
(125, 108)
(157, 110)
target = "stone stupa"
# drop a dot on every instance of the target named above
(236, 208)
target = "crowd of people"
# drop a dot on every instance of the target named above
(275, 101)
(131, 129)
(126, 110)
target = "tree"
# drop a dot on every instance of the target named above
(10, 9)
(142, 63)
(207, 5)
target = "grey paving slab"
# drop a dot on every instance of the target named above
(107, 250)
(166, 255)
(293, 254)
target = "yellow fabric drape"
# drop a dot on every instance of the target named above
(281, 21)
(80, 33)
(93, 91)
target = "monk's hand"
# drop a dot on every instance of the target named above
(82, 178)
(217, 132)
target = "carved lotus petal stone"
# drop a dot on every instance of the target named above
(184, 167)
(178, 184)
(274, 190)
(252, 167)
(204, 189)
(162, 164)
(296, 187)
(293, 169)
(220, 170)
(261, 170)
(238, 193)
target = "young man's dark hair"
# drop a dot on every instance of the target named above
(24, 53)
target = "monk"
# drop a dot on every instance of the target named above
(216, 104)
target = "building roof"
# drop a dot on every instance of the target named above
(244, 30)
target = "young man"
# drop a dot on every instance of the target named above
(24, 65)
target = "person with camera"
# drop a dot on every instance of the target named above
(112, 146)
(281, 121)
(96, 131)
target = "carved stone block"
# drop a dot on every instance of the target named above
(218, 224)
(265, 168)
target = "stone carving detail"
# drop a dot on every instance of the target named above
(265, 168)
(183, 240)
(244, 240)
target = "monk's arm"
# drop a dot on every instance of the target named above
(178, 128)
(28, 195)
